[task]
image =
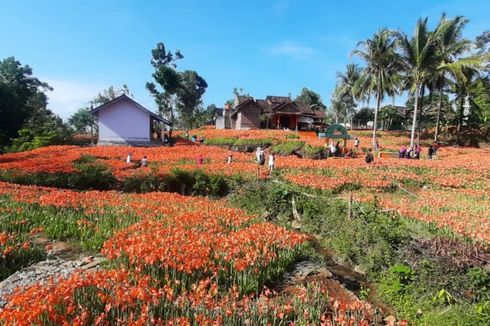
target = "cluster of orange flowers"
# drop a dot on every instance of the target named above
(10, 243)
(465, 211)
(196, 245)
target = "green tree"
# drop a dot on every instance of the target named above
(420, 60)
(382, 67)
(43, 128)
(21, 96)
(82, 120)
(109, 94)
(310, 97)
(167, 77)
(364, 115)
(450, 44)
(347, 87)
(189, 99)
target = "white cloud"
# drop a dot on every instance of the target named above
(291, 49)
(68, 96)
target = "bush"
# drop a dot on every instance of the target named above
(221, 141)
(287, 148)
(313, 152)
(292, 136)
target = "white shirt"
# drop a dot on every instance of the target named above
(271, 160)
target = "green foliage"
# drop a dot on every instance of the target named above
(313, 152)
(292, 136)
(221, 141)
(21, 97)
(82, 120)
(287, 148)
(89, 175)
(310, 98)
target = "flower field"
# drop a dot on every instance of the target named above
(181, 260)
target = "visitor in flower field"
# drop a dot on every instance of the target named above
(194, 138)
(403, 152)
(144, 161)
(418, 149)
(338, 149)
(356, 143)
(369, 157)
(229, 159)
(409, 153)
(260, 156)
(435, 147)
(350, 154)
(186, 135)
(333, 149)
(129, 158)
(375, 144)
(200, 159)
(272, 162)
(166, 139)
(430, 152)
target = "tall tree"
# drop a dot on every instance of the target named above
(21, 96)
(109, 94)
(382, 65)
(450, 44)
(310, 97)
(167, 77)
(347, 87)
(189, 99)
(419, 58)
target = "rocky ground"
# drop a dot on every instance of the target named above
(62, 261)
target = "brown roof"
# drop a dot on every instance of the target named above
(273, 99)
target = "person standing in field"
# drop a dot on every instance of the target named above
(356, 143)
(129, 158)
(200, 160)
(430, 152)
(259, 155)
(272, 162)
(376, 144)
(144, 161)
(369, 157)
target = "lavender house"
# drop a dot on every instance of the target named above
(124, 121)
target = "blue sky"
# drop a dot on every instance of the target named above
(264, 47)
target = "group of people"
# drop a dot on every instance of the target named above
(260, 158)
(414, 153)
(144, 160)
(194, 138)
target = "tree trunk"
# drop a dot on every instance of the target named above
(438, 117)
(460, 120)
(378, 104)
(421, 105)
(415, 109)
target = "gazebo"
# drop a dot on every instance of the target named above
(335, 131)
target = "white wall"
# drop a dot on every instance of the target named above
(123, 121)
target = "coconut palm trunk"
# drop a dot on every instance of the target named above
(460, 119)
(415, 109)
(378, 104)
(438, 117)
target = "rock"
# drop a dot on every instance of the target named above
(296, 225)
(42, 271)
(390, 320)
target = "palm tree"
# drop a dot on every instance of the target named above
(419, 59)
(449, 45)
(461, 87)
(347, 86)
(382, 65)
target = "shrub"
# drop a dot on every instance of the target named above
(287, 148)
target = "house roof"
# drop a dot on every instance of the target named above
(124, 97)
